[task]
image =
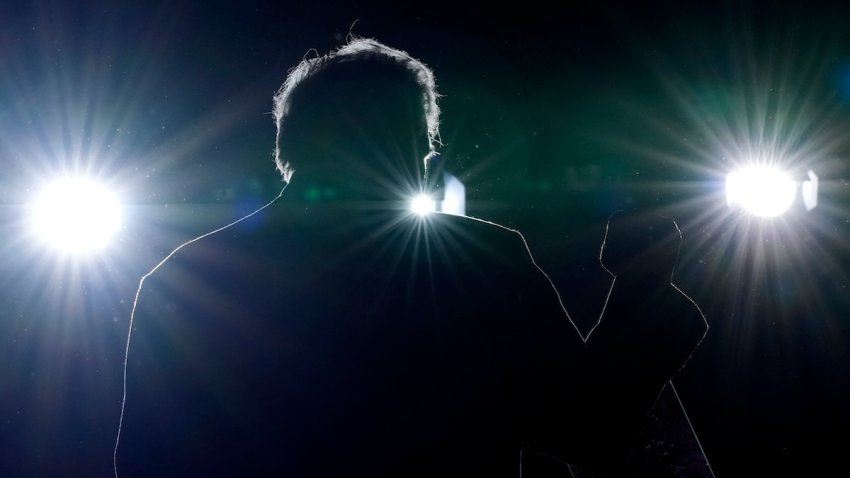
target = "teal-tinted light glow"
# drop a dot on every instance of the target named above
(422, 205)
(76, 215)
(760, 190)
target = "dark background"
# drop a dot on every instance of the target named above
(553, 117)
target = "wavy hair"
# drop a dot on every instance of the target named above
(357, 49)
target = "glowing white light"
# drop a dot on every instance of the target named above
(809, 191)
(422, 205)
(454, 201)
(76, 215)
(760, 190)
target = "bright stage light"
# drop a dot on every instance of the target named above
(809, 191)
(422, 205)
(76, 215)
(454, 196)
(762, 191)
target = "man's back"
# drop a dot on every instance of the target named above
(405, 346)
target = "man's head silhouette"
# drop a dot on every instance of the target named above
(641, 246)
(358, 120)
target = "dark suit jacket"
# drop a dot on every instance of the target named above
(386, 345)
(646, 334)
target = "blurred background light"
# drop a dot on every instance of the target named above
(76, 215)
(422, 205)
(809, 191)
(760, 190)
(454, 198)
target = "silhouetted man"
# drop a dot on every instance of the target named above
(349, 337)
(648, 330)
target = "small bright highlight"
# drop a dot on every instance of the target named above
(760, 190)
(423, 204)
(76, 215)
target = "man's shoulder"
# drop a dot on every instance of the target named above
(477, 231)
(470, 222)
(212, 266)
